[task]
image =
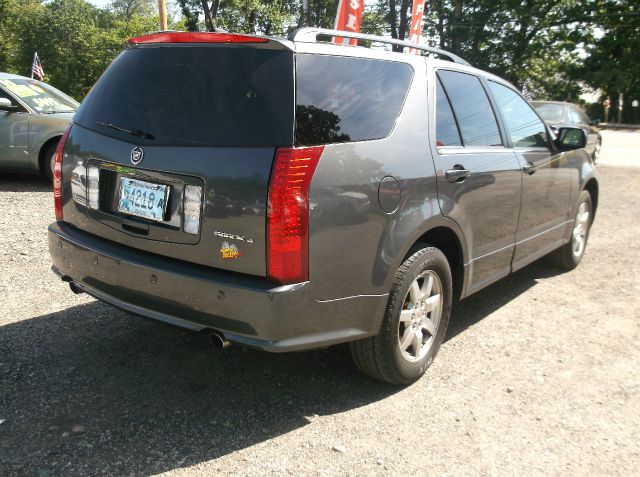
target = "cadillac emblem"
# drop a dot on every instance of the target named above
(137, 154)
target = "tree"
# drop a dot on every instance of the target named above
(127, 9)
(537, 41)
(612, 64)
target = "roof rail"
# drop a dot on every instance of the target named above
(310, 35)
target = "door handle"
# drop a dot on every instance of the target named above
(457, 174)
(529, 168)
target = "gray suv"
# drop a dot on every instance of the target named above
(295, 194)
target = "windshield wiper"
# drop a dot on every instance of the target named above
(134, 132)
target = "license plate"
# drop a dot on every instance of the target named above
(143, 199)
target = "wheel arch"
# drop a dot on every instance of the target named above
(445, 235)
(44, 148)
(592, 187)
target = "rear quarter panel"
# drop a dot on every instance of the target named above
(354, 246)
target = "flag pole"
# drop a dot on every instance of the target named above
(35, 54)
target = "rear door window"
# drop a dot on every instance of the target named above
(523, 125)
(447, 133)
(472, 109)
(196, 96)
(343, 99)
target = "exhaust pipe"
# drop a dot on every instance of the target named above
(218, 341)
(75, 289)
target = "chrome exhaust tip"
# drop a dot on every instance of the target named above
(218, 341)
(75, 288)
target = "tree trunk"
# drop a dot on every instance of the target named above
(402, 28)
(393, 18)
(457, 31)
(208, 20)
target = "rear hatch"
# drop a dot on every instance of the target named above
(172, 150)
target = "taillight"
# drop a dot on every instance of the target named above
(288, 213)
(57, 175)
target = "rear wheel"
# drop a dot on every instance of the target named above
(569, 255)
(415, 321)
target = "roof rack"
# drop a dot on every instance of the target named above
(310, 35)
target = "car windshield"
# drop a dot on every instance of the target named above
(40, 96)
(550, 112)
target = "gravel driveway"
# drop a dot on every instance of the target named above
(539, 376)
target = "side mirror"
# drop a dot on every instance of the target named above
(6, 105)
(571, 138)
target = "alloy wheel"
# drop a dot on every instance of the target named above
(420, 316)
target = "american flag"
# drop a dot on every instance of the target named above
(36, 67)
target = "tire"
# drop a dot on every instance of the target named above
(387, 356)
(570, 255)
(47, 161)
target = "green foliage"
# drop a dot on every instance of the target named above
(612, 65)
(556, 47)
(74, 40)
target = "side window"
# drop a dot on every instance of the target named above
(523, 125)
(447, 133)
(343, 99)
(6, 95)
(472, 109)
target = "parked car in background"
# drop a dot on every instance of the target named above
(296, 194)
(33, 117)
(559, 114)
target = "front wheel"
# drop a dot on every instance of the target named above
(569, 255)
(415, 321)
(49, 161)
(596, 151)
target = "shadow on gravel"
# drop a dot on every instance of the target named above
(23, 183)
(470, 311)
(91, 390)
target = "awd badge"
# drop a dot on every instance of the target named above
(229, 250)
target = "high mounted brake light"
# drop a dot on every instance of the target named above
(57, 175)
(195, 37)
(288, 214)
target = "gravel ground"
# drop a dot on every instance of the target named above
(538, 376)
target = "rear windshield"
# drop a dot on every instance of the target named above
(195, 96)
(549, 111)
(343, 99)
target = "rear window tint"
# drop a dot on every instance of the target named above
(471, 106)
(342, 99)
(200, 96)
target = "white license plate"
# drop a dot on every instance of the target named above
(143, 199)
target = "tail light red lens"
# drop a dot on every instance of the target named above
(196, 37)
(57, 175)
(288, 214)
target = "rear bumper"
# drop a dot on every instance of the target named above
(248, 310)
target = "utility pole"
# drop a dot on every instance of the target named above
(162, 9)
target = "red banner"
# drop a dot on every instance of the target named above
(416, 24)
(348, 19)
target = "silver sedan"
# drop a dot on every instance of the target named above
(33, 117)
